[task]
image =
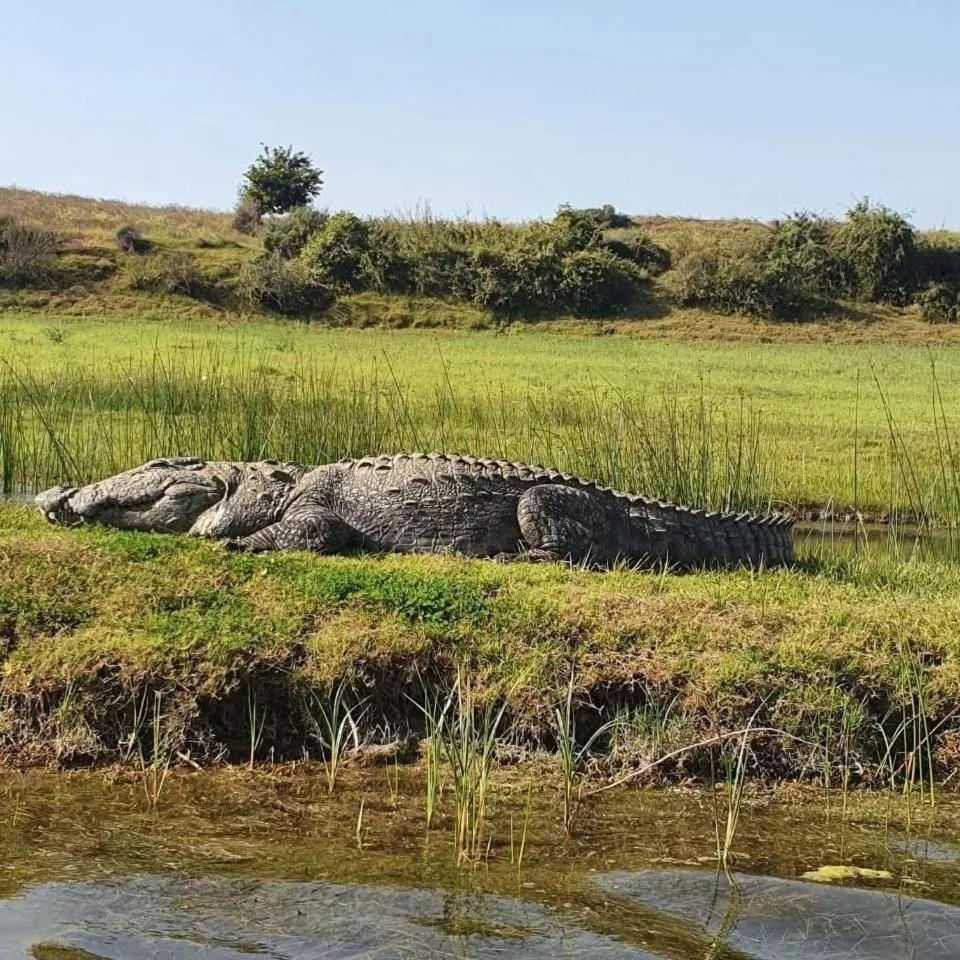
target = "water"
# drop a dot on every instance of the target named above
(825, 539)
(235, 864)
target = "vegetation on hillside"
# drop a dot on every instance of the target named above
(306, 262)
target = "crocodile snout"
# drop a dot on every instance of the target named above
(54, 504)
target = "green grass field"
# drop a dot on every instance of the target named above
(804, 424)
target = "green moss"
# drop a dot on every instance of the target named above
(415, 596)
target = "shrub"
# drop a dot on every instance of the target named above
(786, 274)
(798, 250)
(280, 179)
(275, 283)
(606, 217)
(26, 253)
(130, 240)
(246, 216)
(878, 249)
(938, 253)
(288, 234)
(575, 230)
(939, 303)
(170, 273)
(639, 249)
(595, 282)
(524, 280)
(338, 255)
(507, 269)
(748, 283)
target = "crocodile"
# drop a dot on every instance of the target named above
(215, 499)
(421, 503)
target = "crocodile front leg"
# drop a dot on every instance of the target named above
(305, 526)
(565, 523)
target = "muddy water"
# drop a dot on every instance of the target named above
(829, 538)
(233, 864)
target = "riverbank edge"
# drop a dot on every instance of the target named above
(125, 648)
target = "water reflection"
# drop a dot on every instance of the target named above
(267, 863)
(772, 919)
(825, 539)
(157, 918)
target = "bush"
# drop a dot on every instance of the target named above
(275, 283)
(511, 270)
(606, 217)
(596, 282)
(787, 274)
(288, 234)
(575, 230)
(879, 252)
(939, 303)
(170, 273)
(246, 216)
(338, 255)
(798, 248)
(26, 253)
(640, 250)
(130, 240)
(938, 253)
(524, 280)
(749, 284)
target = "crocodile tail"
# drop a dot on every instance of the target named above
(695, 538)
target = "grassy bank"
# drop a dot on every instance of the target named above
(119, 645)
(866, 426)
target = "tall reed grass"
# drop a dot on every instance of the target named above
(76, 425)
(69, 424)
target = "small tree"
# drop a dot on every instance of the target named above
(280, 179)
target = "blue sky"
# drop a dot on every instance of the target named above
(697, 108)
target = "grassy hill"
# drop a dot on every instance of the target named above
(192, 260)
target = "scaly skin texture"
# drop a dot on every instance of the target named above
(216, 499)
(431, 503)
(420, 503)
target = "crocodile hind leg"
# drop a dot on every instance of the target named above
(306, 526)
(565, 523)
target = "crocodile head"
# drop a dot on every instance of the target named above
(162, 495)
(256, 496)
(179, 495)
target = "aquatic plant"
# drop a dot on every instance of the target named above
(337, 730)
(469, 740)
(75, 426)
(434, 710)
(572, 755)
(358, 832)
(153, 773)
(254, 725)
(735, 772)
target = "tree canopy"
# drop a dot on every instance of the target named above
(280, 179)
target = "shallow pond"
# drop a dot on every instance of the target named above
(233, 864)
(835, 538)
